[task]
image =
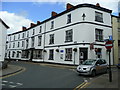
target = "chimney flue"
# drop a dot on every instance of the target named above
(53, 13)
(38, 22)
(23, 28)
(32, 24)
(98, 4)
(68, 6)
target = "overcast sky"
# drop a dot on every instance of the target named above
(18, 13)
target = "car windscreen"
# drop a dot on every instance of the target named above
(88, 62)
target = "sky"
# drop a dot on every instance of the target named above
(18, 13)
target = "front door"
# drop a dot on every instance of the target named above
(83, 54)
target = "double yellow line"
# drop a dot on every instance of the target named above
(83, 85)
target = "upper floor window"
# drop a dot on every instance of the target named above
(13, 45)
(9, 45)
(14, 37)
(18, 36)
(118, 19)
(40, 29)
(68, 54)
(23, 35)
(10, 38)
(99, 34)
(68, 18)
(33, 32)
(52, 24)
(32, 41)
(51, 41)
(27, 43)
(39, 40)
(18, 44)
(69, 36)
(27, 33)
(98, 17)
(51, 54)
(22, 43)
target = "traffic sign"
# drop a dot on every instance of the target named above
(109, 44)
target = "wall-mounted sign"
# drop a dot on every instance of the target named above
(61, 51)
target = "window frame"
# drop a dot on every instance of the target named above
(68, 18)
(97, 17)
(68, 54)
(99, 35)
(69, 35)
(51, 39)
(51, 54)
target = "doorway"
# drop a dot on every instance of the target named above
(83, 54)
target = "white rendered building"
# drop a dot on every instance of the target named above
(3, 34)
(69, 37)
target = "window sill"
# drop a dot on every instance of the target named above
(68, 41)
(99, 41)
(99, 21)
(50, 59)
(68, 60)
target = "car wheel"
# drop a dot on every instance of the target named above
(93, 73)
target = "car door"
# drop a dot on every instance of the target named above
(98, 66)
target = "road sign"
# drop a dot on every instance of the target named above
(109, 44)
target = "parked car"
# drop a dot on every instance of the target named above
(92, 67)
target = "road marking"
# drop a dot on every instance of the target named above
(13, 73)
(5, 81)
(3, 84)
(11, 82)
(12, 86)
(19, 83)
(79, 86)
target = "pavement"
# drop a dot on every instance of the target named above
(101, 81)
(12, 69)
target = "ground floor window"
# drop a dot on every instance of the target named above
(17, 54)
(68, 54)
(37, 54)
(25, 54)
(51, 54)
(13, 53)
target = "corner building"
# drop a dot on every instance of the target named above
(69, 37)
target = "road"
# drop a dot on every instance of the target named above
(38, 76)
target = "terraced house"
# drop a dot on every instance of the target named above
(69, 37)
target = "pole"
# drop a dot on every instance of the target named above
(110, 72)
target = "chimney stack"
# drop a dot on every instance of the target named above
(32, 24)
(24, 28)
(98, 4)
(53, 13)
(38, 22)
(68, 6)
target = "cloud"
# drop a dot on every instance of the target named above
(15, 22)
(109, 4)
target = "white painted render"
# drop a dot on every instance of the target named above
(83, 32)
(3, 33)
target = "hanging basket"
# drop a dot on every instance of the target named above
(57, 50)
(44, 51)
(75, 49)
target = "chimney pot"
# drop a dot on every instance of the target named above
(98, 4)
(23, 28)
(53, 13)
(32, 24)
(38, 22)
(68, 6)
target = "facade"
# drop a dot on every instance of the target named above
(3, 34)
(116, 38)
(69, 37)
